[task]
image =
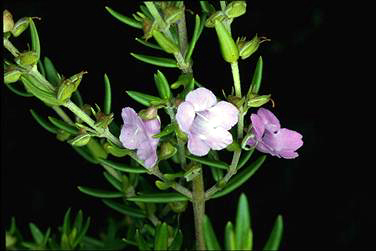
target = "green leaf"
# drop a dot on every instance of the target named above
(100, 193)
(209, 162)
(77, 99)
(107, 95)
(144, 99)
(35, 44)
(43, 122)
(158, 197)
(162, 85)
(230, 242)
(82, 233)
(256, 79)
(41, 68)
(148, 44)
(113, 181)
(122, 167)
(161, 237)
(170, 128)
(66, 223)
(121, 208)
(127, 20)
(164, 62)
(217, 174)
(276, 235)
(207, 7)
(240, 178)
(63, 125)
(51, 72)
(243, 160)
(84, 152)
(178, 240)
(209, 235)
(199, 26)
(141, 243)
(36, 233)
(243, 225)
(46, 237)
(18, 92)
(78, 220)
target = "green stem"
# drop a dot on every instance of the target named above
(198, 203)
(236, 78)
(10, 47)
(62, 114)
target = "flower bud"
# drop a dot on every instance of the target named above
(8, 22)
(247, 48)
(80, 140)
(167, 150)
(68, 86)
(161, 185)
(194, 170)
(11, 75)
(257, 101)
(62, 135)
(148, 27)
(235, 9)
(149, 113)
(178, 206)
(20, 26)
(103, 120)
(237, 101)
(229, 50)
(172, 14)
(164, 42)
(218, 15)
(28, 58)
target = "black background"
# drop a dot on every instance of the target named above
(324, 194)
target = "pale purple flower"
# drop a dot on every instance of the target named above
(270, 138)
(206, 121)
(137, 134)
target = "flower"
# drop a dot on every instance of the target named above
(270, 138)
(137, 134)
(206, 121)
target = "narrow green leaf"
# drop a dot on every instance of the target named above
(51, 72)
(162, 85)
(209, 162)
(39, 91)
(63, 125)
(82, 233)
(107, 95)
(77, 99)
(243, 224)
(158, 197)
(148, 44)
(276, 235)
(207, 7)
(78, 220)
(141, 243)
(230, 242)
(194, 39)
(100, 193)
(209, 235)
(96, 149)
(144, 99)
(41, 68)
(129, 242)
(113, 181)
(43, 122)
(243, 160)
(122, 167)
(35, 44)
(164, 62)
(66, 223)
(161, 237)
(46, 237)
(217, 174)
(36, 233)
(127, 20)
(241, 177)
(84, 152)
(18, 92)
(170, 128)
(256, 79)
(121, 208)
(178, 240)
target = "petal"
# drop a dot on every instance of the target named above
(223, 114)
(218, 138)
(152, 126)
(196, 146)
(132, 131)
(258, 127)
(292, 140)
(148, 153)
(201, 99)
(288, 154)
(284, 142)
(270, 121)
(185, 116)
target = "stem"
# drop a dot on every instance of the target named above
(236, 78)
(198, 203)
(62, 114)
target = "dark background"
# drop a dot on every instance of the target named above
(324, 195)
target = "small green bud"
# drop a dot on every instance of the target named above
(103, 120)
(257, 101)
(148, 113)
(8, 22)
(28, 58)
(164, 42)
(115, 150)
(148, 27)
(233, 147)
(161, 185)
(167, 150)
(20, 26)
(184, 79)
(172, 14)
(62, 135)
(235, 9)
(218, 15)
(194, 171)
(178, 206)
(80, 140)
(229, 50)
(11, 75)
(247, 48)
(68, 86)
(237, 101)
